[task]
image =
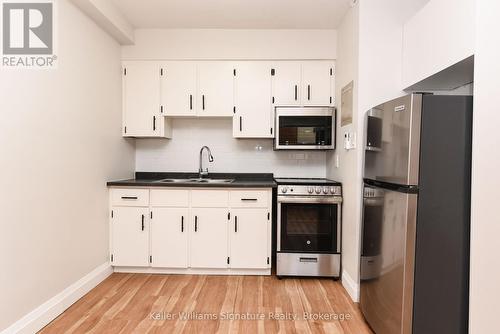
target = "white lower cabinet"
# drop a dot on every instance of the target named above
(130, 236)
(208, 244)
(249, 238)
(191, 230)
(169, 237)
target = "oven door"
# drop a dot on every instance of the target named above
(309, 225)
(303, 128)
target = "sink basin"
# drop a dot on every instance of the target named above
(195, 181)
(211, 180)
(174, 180)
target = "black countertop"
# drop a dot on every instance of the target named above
(241, 180)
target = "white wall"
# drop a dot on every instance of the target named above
(438, 36)
(231, 44)
(189, 135)
(61, 142)
(485, 272)
(347, 173)
(369, 51)
(181, 153)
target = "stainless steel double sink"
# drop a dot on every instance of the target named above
(196, 180)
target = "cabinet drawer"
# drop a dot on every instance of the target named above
(130, 197)
(170, 197)
(209, 198)
(249, 199)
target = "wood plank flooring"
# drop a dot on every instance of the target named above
(141, 303)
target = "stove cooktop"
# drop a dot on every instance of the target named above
(307, 181)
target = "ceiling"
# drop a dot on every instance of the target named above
(234, 14)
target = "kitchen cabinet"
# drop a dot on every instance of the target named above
(209, 238)
(253, 105)
(317, 83)
(178, 88)
(215, 95)
(130, 236)
(141, 101)
(169, 237)
(286, 79)
(250, 230)
(191, 230)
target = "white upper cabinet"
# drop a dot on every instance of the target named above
(286, 80)
(141, 101)
(252, 93)
(215, 89)
(178, 88)
(317, 80)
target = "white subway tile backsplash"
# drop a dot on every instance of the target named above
(231, 155)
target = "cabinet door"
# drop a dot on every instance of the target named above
(286, 83)
(215, 88)
(249, 238)
(130, 236)
(141, 99)
(253, 100)
(316, 82)
(169, 237)
(178, 88)
(208, 242)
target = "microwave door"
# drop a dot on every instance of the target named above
(300, 128)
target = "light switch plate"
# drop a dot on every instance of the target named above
(349, 140)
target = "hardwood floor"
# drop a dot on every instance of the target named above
(140, 303)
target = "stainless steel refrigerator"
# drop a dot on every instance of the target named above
(416, 215)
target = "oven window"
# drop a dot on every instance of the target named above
(305, 130)
(308, 227)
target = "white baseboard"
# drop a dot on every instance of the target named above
(351, 286)
(51, 309)
(192, 271)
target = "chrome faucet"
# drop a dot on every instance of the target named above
(210, 159)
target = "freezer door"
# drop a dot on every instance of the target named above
(387, 259)
(395, 158)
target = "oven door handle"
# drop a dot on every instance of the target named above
(308, 200)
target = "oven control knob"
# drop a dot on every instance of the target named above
(284, 190)
(310, 190)
(325, 190)
(318, 190)
(332, 190)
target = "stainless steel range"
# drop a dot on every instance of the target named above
(309, 227)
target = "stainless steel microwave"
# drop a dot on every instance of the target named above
(304, 128)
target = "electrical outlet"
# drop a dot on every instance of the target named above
(350, 140)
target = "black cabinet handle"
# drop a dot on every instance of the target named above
(129, 197)
(309, 92)
(235, 224)
(241, 121)
(196, 223)
(295, 92)
(249, 199)
(142, 223)
(190, 102)
(182, 224)
(154, 123)
(203, 102)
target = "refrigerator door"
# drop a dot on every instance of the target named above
(395, 158)
(387, 259)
